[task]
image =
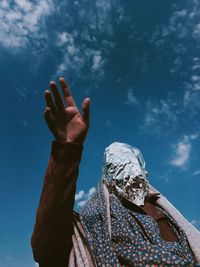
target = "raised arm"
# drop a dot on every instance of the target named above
(51, 239)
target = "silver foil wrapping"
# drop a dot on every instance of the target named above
(124, 172)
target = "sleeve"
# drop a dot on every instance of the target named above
(52, 235)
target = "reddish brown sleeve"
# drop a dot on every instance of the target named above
(51, 238)
(166, 231)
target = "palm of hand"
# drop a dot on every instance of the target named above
(66, 123)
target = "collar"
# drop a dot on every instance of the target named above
(151, 198)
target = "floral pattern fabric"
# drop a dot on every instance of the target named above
(135, 237)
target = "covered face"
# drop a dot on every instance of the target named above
(124, 172)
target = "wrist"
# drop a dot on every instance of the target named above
(62, 143)
(66, 150)
(71, 138)
(68, 140)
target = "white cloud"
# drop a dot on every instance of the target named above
(191, 97)
(197, 172)
(182, 151)
(22, 21)
(160, 115)
(97, 61)
(24, 5)
(66, 40)
(196, 32)
(91, 191)
(194, 84)
(175, 22)
(61, 68)
(183, 22)
(4, 3)
(193, 136)
(182, 28)
(73, 61)
(81, 203)
(81, 197)
(77, 56)
(103, 18)
(191, 100)
(196, 63)
(131, 98)
(86, 49)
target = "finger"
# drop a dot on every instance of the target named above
(47, 115)
(49, 120)
(57, 97)
(86, 110)
(67, 94)
(49, 101)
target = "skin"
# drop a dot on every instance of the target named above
(62, 115)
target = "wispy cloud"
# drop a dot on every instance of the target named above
(196, 172)
(82, 45)
(22, 21)
(182, 24)
(182, 154)
(66, 40)
(160, 115)
(131, 98)
(182, 28)
(182, 151)
(191, 100)
(97, 62)
(165, 176)
(81, 197)
(21, 92)
(77, 57)
(192, 87)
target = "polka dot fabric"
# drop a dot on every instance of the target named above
(135, 238)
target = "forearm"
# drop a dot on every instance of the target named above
(51, 239)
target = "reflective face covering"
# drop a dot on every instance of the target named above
(124, 172)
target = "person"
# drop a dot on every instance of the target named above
(126, 222)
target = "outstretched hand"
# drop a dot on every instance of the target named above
(64, 119)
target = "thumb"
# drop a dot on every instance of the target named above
(86, 110)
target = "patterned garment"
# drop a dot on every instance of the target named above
(135, 238)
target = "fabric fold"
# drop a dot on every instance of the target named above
(93, 239)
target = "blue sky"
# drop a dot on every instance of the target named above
(139, 63)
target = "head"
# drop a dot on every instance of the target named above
(124, 172)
